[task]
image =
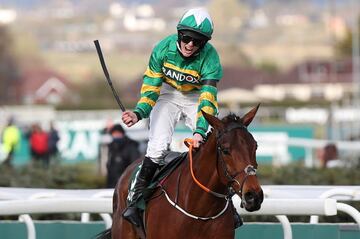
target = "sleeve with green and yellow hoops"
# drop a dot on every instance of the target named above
(211, 70)
(152, 81)
(207, 103)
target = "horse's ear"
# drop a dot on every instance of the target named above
(213, 121)
(247, 119)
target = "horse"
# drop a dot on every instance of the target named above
(194, 201)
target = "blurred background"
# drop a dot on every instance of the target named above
(299, 59)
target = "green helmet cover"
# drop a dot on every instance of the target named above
(197, 20)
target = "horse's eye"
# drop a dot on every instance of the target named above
(225, 151)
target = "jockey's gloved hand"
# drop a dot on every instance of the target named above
(197, 140)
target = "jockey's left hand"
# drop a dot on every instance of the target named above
(197, 140)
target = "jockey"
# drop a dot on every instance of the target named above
(179, 82)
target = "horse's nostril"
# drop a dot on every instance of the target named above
(252, 201)
(250, 197)
(253, 197)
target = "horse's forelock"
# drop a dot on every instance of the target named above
(231, 117)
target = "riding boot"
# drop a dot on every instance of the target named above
(147, 171)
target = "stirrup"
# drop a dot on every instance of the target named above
(133, 215)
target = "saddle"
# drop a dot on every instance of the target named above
(173, 160)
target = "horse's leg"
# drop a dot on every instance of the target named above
(121, 229)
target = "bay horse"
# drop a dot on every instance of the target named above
(196, 202)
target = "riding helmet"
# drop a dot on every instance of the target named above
(197, 20)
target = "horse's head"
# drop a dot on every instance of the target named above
(236, 155)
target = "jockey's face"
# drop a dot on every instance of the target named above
(190, 42)
(187, 49)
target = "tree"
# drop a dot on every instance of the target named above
(9, 73)
(228, 16)
(344, 47)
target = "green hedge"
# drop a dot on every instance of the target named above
(86, 176)
(295, 174)
(78, 176)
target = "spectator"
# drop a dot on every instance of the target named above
(10, 138)
(105, 140)
(122, 151)
(39, 145)
(330, 157)
(53, 139)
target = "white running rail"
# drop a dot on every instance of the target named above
(279, 201)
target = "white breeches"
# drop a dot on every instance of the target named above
(171, 106)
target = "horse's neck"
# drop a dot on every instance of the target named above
(205, 171)
(205, 161)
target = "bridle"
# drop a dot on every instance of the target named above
(249, 170)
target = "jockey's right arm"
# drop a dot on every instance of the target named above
(150, 89)
(152, 81)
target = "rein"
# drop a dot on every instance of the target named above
(249, 170)
(188, 142)
(219, 195)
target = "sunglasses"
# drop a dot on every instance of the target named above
(186, 39)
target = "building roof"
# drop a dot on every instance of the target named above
(44, 85)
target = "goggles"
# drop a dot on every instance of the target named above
(186, 39)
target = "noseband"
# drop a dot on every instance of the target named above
(249, 170)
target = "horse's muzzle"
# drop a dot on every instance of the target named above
(252, 200)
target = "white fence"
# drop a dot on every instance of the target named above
(280, 201)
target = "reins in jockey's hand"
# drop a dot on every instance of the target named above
(249, 170)
(189, 142)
